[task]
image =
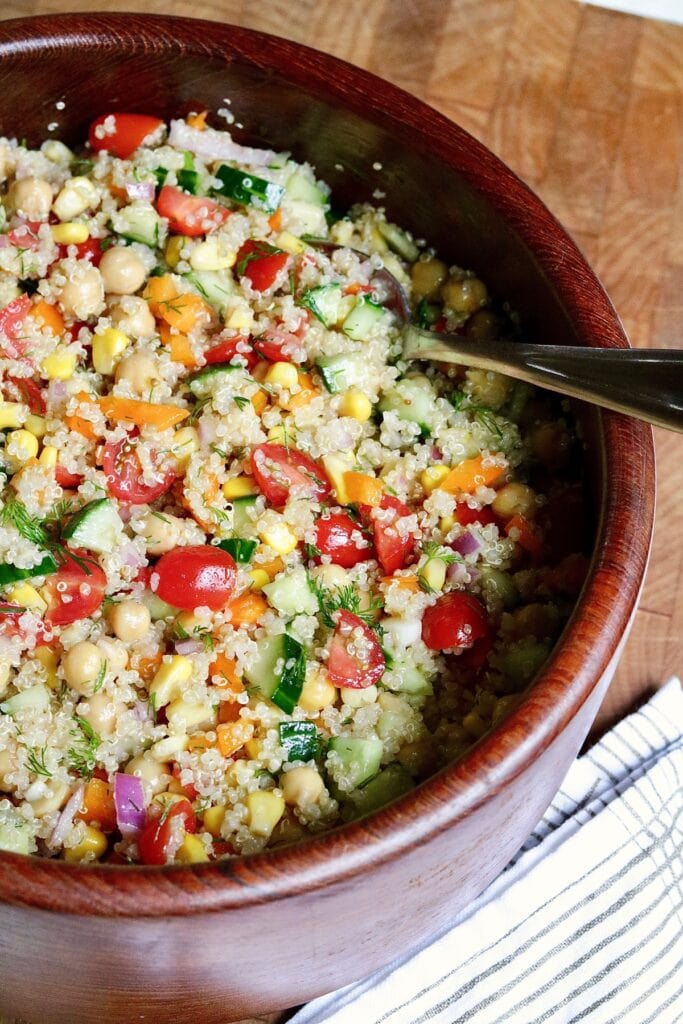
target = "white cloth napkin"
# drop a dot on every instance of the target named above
(585, 924)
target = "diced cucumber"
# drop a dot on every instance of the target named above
(410, 400)
(278, 671)
(356, 760)
(396, 719)
(521, 660)
(157, 608)
(97, 527)
(363, 319)
(306, 218)
(398, 240)
(324, 303)
(35, 698)
(189, 180)
(498, 588)
(290, 593)
(301, 188)
(213, 285)
(138, 222)
(300, 740)
(391, 783)
(241, 512)
(15, 831)
(248, 189)
(161, 174)
(403, 677)
(204, 382)
(241, 550)
(11, 574)
(343, 371)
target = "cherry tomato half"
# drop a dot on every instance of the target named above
(278, 470)
(156, 839)
(124, 474)
(466, 515)
(260, 263)
(31, 393)
(10, 625)
(280, 346)
(342, 539)
(228, 349)
(25, 235)
(90, 250)
(66, 479)
(456, 620)
(195, 576)
(190, 215)
(76, 590)
(393, 548)
(355, 658)
(129, 132)
(12, 318)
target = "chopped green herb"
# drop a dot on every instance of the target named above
(101, 676)
(35, 762)
(82, 756)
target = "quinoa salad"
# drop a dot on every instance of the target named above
(259, 576)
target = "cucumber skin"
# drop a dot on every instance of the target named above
(11, 574)
(365, 753)
(300, 740)
(285, 690)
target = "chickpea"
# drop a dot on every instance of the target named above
(483, 325)
(54, 796)
(81, 666)
(515, 499)
(100, 710)
(122, 270)
(301, 786)
(332, 577)
(32, 198)
(155, 774)
(130, 620)
(139, 370)
(82, 297)
(550, 443)
(419, 758)
(113, 652)
(357, 698)
(464, 295)
(427, 277)
(134, 317)
(318, 692)
(159, 535)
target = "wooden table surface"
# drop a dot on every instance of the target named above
(587, 106)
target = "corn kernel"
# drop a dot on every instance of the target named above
(357, 405)
(48, 456)
(284, 374)
(433, 573)
(169, 678)
(278, 536)
(93, 845)
(60, 364)
(432, 476)
(211, 255)
(335, 467)
(183, 716)
(213, 819)
(290, 243)
(239, 487)
(253, 748)
(238, 316)
(446, 523)
(20, 447)
(265, 810)
(185, 444)
(36, 425)
(78, 195)
(49, 659)
(107, 347)
(70, 233)
(317, 692)
(12, 414)
(173, 250)
(26, 596)
(192, 850)
(282, 433)
(259, 578)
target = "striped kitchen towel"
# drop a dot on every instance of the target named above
(585, 924)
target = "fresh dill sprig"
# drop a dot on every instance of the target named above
(35, 762)
(14, 513)
(241, 401)
(433, 552)
(101, 676)
(82, 756)
(347, 598)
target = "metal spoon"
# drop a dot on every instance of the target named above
(645, 383)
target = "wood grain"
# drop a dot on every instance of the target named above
(586, 105)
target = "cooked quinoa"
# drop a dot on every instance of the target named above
(259, 575)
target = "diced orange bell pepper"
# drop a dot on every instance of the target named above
(158, 292)
(183, 312)
(303, 397)
(48, 315)
(179, 344)
(527, 535)
(230, 736)
(411, 583)
(197, 121)
(198, 742)
(362, 489)
(247, 609)
(146, 667)
(275, 220)
(223, 673)
(228, 711)
(142, 413)
(470, 474)
(259, 402)
(271, 568)
(98, 805)
(79, 423)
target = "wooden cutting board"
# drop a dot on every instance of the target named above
(587, 106)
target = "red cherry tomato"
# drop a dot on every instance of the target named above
(393, 549)
(10, 625)
(124, 474)
(456, 620)
(159, 835)
(190, 791)
(66, 479)
(280, 346)
(90, 250)
(342, 539)
(260, 263)
(228, 349)
(25, 235)
(31, 393)
(76, 590)
(190, 215)
(12, 318)
(194, 576)
(466, 515)
(278, 470)
(355, 658)
(130, 131)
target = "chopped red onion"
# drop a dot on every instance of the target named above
(131, 556)
(140, 190)
(213, 145)
(466, 544)
(56, 391)
(66, 818)
(129, 800)
(206, 429)
(457, 572)
(141, 711)
(188, 647)
(436, 453)
(4, 242)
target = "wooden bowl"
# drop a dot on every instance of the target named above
(221, 940)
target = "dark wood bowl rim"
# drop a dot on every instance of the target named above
(613, 587)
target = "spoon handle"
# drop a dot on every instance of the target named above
(645, 383)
